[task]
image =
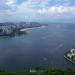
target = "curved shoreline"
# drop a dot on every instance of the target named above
(31, 28)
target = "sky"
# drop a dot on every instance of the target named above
(37, 11)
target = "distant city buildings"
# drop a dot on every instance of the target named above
(8, 27)
(5, 30)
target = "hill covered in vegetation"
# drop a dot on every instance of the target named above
(51, 71)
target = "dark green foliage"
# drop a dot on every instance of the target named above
(55, 71)
(50, 71)
(17, 31)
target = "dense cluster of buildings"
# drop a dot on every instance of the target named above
(5, 30)
(8, 28)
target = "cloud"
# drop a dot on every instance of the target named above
(10, 2)
(29, 8)
(37, 9)
(34, 12)
(57, 10)
(6, 5)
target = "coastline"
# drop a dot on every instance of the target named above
(24, 29)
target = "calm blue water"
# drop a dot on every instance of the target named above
(42, 47)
